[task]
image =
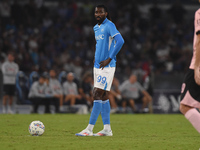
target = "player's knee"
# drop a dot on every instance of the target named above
(97, 96)
(183, 109)
(105, 96)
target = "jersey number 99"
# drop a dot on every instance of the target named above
(101, 79)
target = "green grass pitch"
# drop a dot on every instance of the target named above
(130, 132)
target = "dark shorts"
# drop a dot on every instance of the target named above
(136, 100)
(190, 92)
(9, 89)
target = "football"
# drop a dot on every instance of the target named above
(36, 128)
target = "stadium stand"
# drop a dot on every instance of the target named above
(53, 34)
(34, 76)
(22, 86)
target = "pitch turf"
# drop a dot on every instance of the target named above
(131, 132)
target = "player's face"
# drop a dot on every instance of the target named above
(100, 14)
(41, 80)
(52, 73)
(70, 77)
(11, 57)
(133, 79)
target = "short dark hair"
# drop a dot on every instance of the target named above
(103, 6)
(11, 53)
(45, 75)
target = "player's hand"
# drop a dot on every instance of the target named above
(105, 63)
(197, 75)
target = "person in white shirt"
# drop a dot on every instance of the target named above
(39, 95)
(9, 70)
(132, 92)
(71, 90)
(56, 87)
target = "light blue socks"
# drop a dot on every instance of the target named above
(97, 107)
(105, 112)
(102, 107)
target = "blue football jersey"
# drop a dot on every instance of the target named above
(105, 42)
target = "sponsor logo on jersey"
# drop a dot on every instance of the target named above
(99, 37)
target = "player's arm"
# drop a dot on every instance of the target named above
(197, 61)
(119, 42)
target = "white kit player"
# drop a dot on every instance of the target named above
(190, 94)
(9, 70)
(108, 43)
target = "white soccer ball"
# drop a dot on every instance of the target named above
(36, 128)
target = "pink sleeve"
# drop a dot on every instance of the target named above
(197, 21)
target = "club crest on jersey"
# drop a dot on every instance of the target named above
(102, 30)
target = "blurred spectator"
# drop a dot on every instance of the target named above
(9, 70)
(114, 95)
(18, 13)
(33, 77)
(85, 88)
(22, 88)
(56, 87)
(61, 36)
(155, 11)
(38, 96)
(31, 10)
(87, 10)
(47, 22)
(138, 71)
(50, 92)
(177, 11)
(5, 12)
(77, 68)
(39, 3)
(70, 90)
(148, 86)
(62, 9)
(133, 92)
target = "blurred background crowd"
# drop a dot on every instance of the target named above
(60, 35)
(50, 34)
